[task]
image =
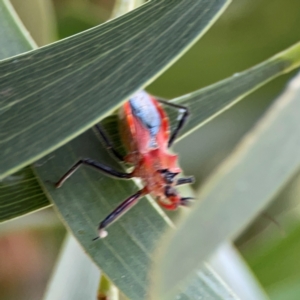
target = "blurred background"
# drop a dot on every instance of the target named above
(249, 32)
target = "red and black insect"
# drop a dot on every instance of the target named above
(145, 131)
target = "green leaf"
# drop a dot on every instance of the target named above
(88, 196)
(229, 264)
(207, 103)
(19, 193)
(52, 94)
(265, 160)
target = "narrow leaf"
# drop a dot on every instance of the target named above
(19, 193)
(52, 94)
(229, 264)
(265, 160)
(207, 103)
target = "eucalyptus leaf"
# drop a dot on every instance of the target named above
(229, 264)
(52, 94)
(19, 193)
(260, 166)
(207, 103)
(126, 254)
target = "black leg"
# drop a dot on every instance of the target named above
(108, 143)
(185, 180)
(118, 212)
(186, 201)
(182, 117)
(89, 162)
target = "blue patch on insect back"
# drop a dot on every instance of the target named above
(144, 109)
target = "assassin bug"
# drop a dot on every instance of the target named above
(145, 133)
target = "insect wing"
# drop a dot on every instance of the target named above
(150, 126)
(143, 108)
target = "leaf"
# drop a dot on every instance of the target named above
(19, 193)
(126, 254)
(207, 103)
(229, 264)
(265, 160)
(72, 267)
(52, 94)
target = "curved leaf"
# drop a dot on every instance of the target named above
(209, 102)
(19, 193)
(264, 161)
(52, 94)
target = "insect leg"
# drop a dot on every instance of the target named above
(182, 117)
(108, 143)
(89, 162)
(185, 180)
(119, 211)
(186, 201)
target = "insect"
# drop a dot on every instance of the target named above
(145, 132)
